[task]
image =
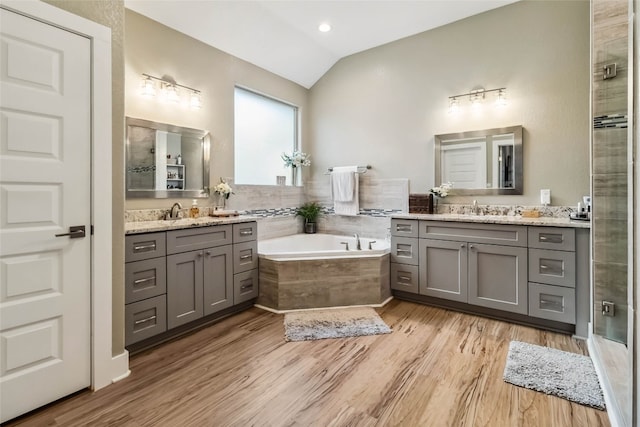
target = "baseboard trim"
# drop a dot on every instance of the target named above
(613, 409)
(273, 310)
(120, 366)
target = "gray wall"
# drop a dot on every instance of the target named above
(383, 106)
(155, 49)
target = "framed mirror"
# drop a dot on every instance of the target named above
(166, 161)
(480, 162)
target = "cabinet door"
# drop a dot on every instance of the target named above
(218, 279)
(498, 277)
(184, 288)
(443, 269)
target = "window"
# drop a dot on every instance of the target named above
(264, 129)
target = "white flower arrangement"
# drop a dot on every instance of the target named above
(442, 190)
(223, 189)
(296, 159)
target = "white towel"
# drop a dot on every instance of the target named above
(344, 190)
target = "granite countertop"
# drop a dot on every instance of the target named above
(137, 227)
(499, 219)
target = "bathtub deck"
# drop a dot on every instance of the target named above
(438, 368)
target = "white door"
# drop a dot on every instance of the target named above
(45, 133)
(464, 165)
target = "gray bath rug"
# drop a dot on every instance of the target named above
(336, 323)
(559, 373)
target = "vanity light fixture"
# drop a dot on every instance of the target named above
(170, 90)
(476, 98)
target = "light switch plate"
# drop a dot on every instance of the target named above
(545, 197)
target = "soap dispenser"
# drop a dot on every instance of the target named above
(194, 212)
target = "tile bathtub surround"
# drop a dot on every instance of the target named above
(375, 194)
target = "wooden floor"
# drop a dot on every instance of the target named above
(438, 368)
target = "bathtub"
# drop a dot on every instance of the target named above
(305, 271)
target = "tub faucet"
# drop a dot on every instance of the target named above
(173, 212)
(358, 246)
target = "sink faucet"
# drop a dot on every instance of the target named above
(358, 246)
(173, 212)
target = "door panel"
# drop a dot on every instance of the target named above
(498, 277)
(45, 138)
(218, 279)
(443, 269)
(184, 288)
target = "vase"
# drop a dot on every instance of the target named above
(310, 227)
(220, 202)
(294, 176)
(431, 200)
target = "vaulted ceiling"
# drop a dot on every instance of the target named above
(283, 37)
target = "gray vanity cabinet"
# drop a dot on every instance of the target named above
(199, 282)
(185, 280)
(479, 264)
(404, 270)
(498, 277)
(218, 279)
(443, 269)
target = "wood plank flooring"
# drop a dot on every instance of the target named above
(438, 368)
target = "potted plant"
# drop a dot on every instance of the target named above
(310, 212)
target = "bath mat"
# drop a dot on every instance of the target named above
(559, 373)
(336, 323)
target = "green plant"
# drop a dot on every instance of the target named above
(309, 211)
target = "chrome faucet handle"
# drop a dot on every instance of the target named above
(346, 245)
(371, 243)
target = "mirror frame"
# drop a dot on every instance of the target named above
(169, 194)
(518, 161)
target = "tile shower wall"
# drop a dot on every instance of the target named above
(609, 167)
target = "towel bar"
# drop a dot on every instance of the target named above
(361, 169)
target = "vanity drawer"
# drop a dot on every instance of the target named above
(404, 250)
(144, 319)
(491, 234)
(145, 279)
(198, 238)
(404, 277)
(245, 286)
(552, 302)
(404, 227)
(245, 232)
(144, 246)
(245, 256)
(559, 239)
(552, 267)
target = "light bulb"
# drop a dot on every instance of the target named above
(195, 101)
(170, 93)
(501, 101)
(148, 88)
(454, 105)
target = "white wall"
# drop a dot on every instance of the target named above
(383, 106)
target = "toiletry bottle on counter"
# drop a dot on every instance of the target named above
(194, 212)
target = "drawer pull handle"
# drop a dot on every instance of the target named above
(147, 279)
(403, 251)
(246, 232)
(148, 319)
(403, 228)
(404, 278)
(543, 267)
(144, 247)
(246, 256)
(247, 286)
(543, 301)
(543, 238)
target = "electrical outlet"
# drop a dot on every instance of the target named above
(545, 197)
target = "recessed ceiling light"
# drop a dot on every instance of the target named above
(324, 27)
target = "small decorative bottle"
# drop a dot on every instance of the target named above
(194, 212)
